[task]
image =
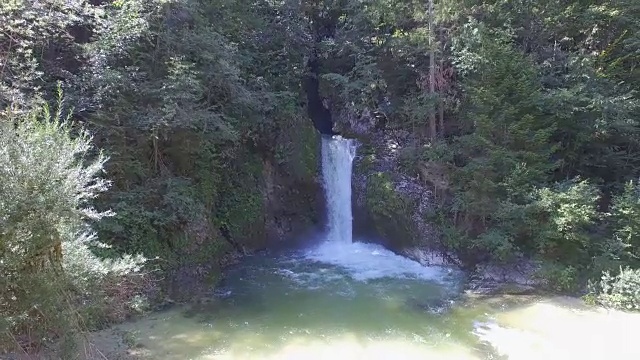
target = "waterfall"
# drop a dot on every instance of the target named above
(337, 162)
(364, 261)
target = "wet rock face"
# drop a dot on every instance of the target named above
(360, 125)
(516, 279)
(378, 156)
(293, 206)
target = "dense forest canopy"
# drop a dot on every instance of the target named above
(194, 122)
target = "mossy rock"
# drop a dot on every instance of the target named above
(390, 211)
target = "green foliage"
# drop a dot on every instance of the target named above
(378, 51)
(241, 210)
(37, 46)
(48, 180)
(297, 149)
(621, 291)
(625, 216)
(40, 156)
(188, 98)
(504, 155)
(151, 228)
(389, 210)
(557, 277)
(181, 95)
(570, 215)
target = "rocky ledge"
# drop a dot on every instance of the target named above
(486, 279)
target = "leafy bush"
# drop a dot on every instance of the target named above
(621, 291)
(625, 214)
(568, 213)
(557, 277)
(48, 178)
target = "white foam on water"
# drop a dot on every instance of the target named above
(315, 279)
(371, 261)
(362, 261)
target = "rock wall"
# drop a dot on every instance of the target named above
(293, 206)
(391, 206)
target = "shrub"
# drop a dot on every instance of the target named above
(621, 291)
(567, 217)
(625, 214)
(48, 179)
(557, 277)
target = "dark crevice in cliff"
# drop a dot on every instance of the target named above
(226, 235)
(324, 22)
(318, 112)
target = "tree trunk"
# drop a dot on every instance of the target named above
(441, 95)
(432, 66)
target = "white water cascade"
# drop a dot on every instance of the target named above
(364, 261)
(337, 162)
